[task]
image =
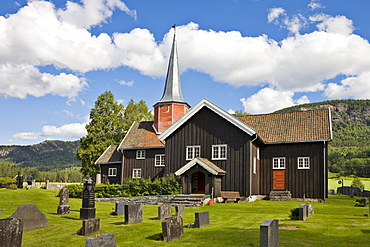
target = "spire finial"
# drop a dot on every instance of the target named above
(174, 28)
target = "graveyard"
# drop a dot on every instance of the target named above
(334, 223)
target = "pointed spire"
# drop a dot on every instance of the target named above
(172, 91)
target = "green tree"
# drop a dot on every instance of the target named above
(104, 129)
(109, 123)
(136, 113)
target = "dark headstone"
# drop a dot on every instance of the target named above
(303, 209)
(180, 210)
(88, 201)
(63, 207)
(31, 217)
(201, 219)
(133, 213)
(11, 231)
(172, 228)
(19, 180)
(105, 240)
(164, 211)
(120, 208)
(269, 233)
(90, 227)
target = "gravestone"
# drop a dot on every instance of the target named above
(269, 233)
(133, 213)
(19, 180)
(180, 210)
(63, 207)
(201, 219)
(303, 209)
(88, 201)
(11, 231)
(172, 228)
(90, 227)
(120, 208)
(164, 211)
(310, 210)
(31, 217)
(105, 240)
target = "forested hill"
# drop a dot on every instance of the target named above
(349, 151)
(46, 156)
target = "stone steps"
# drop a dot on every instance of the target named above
(189, 201)
(279, 195)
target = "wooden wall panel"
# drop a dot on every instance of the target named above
(309, 183)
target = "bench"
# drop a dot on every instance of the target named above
(230, 196)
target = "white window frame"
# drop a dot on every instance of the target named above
(218, 153)
(159, 160)
(192, 152)
(136, 173)
(303, 162)
(112, 172)
(278, 163)
(140, 154)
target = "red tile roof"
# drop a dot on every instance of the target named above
(141, 135)
(110, 155)
(300, 126)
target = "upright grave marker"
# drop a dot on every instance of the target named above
(31, 217)
(105, 240)
(120, 208)
(88, 201)
(180, 210)
(63, 207)
(133, 213)
(172, 228)
(11, 231)
(201, 219)
(164, 211)
(269, 233)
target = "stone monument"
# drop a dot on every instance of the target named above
(11, 231)
(172, 228)
(269, 233)
(31, 217)
(63, 207)
(88, 201)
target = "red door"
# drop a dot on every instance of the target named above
(201, 183)
(279, 179)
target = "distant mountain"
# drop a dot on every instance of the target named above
(46, 156)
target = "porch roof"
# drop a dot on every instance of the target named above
(203, 162)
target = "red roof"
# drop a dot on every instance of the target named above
(303, 126)
(141, 135)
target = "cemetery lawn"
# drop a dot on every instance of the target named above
(335, 223)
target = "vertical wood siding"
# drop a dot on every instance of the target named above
(147, 165)
(104, 171)
(206, 129)
(301, 183)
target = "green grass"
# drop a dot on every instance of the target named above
(333, 183)
(335, 223)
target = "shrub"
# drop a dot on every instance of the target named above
(7, 180)
(294, 214)
(356, 182)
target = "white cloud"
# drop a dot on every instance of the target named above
(267, 100)
(315, 4)
(91, 12)
(357, 87)
(337, 24)
(126, 83)
(274, 13)
(20, 80)
(71, 131)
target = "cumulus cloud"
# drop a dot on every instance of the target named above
(315, 4)
(126, 83)
(71, 131)
(91, 12)
(352, 87)
(337, 24)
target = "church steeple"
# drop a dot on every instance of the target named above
(172, 105)
(172, 91)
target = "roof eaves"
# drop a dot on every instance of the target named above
(206, 103)
(102, 155)
(119, 146)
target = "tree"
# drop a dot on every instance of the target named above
(104, 129)
(135, 113)
(109, 123)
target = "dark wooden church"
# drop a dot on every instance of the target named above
(214, 151)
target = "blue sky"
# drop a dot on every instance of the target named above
(57, 56)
